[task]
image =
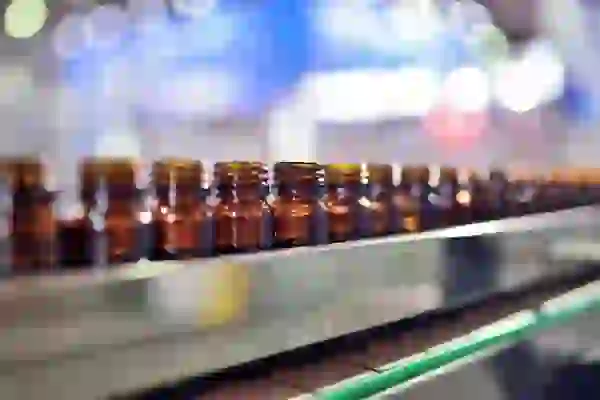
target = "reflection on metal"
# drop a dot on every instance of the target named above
(133, 327)
(508, 358)
(229, 298)
(554, 364)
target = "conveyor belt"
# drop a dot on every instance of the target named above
(556, 356)
(292, 374)
(144, 325)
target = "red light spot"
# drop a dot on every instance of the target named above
(449, 124)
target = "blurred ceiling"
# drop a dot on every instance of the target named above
(517, 18)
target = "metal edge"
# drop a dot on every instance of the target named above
(15, 288)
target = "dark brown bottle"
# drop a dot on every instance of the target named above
(492, 197)
(556, 186)
(298, 214)
(571, 188)
(6, 215)
(548, 192)
(181, 218)
(578, 187)
(112, 204)
(591, 185)
(445, 190)
(484, 203)
(75, 232)
(34, 243)
(579, 193)
(525, 193)
(76, 228)
(498, 195)
(243, 219)
(347, 215)
(411, 198)
(379, 190)
(469, 184)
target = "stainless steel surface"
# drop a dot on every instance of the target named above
(90, 334)
(557, 364)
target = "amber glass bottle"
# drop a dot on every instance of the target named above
(465, 197)
(75, 231)
(243, 219)
(574, 192)
(498, 195)
(555, 185)
(347, 215)
(181, 218)
(75, 228)
(591, 183)
(551, 187)
(445, 205)
(593, 180)
(479, 197)
(524, 193)
(6, 215)
(34, 226)
(580, 178)
(112, 204)
(298, 213)
(379, 189)
(411, 199)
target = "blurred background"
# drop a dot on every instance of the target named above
(495, 82)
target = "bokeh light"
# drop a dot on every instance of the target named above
(193, 8)
(467, 89)
(107, 25)
(534, 79)
(25, 18)
(71, 36)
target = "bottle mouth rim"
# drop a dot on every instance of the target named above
(119, 169)
(298, 164)
(239, 165)
(176, 162)
(344, 167)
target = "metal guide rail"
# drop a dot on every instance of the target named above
(114, 331)
(360, 354)
(547, 353)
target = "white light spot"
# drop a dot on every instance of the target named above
(414, 25)
(416, 91)
(467, 89)
(118, 144)
(370, 95)
(193, 8)
(535, 79)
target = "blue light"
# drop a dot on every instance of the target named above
(263, 45)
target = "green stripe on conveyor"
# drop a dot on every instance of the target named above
(508, 330)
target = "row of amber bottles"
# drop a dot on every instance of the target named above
(177, 217)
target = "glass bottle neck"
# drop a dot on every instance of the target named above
(303, 191)
(349, 190)
(241, 192)
(166, 196)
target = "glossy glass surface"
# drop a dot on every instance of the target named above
(182, 220)
(34, 246)
(298, 213)
(346, 213)
(242, 216)
(379, 188)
